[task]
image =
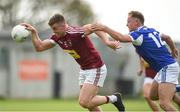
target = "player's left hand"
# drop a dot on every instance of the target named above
(114, 44)
(140, 72)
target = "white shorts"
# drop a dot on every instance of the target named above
(169, 73)
(148, 80)
(95, 76)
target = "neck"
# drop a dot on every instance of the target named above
(64, 33)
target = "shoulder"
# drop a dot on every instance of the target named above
(74, 29)
(53, 37)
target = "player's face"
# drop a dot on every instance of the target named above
(59, 29)
(132, 23)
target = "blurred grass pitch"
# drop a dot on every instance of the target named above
(65, 105)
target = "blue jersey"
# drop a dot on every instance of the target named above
(149, 45)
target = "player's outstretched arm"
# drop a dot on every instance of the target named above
(168, 40)
(113, 44)
(37, 42)
(103, 36)
(114, 34)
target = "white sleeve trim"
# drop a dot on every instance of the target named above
(131, 38)
(138, 41)
(52, 41)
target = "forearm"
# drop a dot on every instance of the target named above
(171, 44)
(36, 41)
(116, 35)
(102, 36)
(110, 43)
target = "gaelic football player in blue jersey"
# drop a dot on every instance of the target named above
(150, 46)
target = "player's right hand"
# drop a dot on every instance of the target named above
(97, 27)
(29, 27)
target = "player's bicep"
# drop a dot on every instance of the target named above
(127, 38)
(47, 44)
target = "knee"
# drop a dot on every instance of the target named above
(84, 103)
(146, 96)
(163, 104)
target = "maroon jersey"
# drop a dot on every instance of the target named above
(79, 47)
(150, 72)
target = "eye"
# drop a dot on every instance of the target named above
(53, 28)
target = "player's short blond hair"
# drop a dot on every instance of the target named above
(138, 15)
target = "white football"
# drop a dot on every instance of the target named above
(19, 33)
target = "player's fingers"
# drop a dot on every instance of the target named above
(24, 24)
(28, 28)
(118, 47)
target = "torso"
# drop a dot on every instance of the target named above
(79, 47)
(149, 45)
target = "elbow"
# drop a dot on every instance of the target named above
(107, 42)
(165, 37)
(38, 49)
(169, 38)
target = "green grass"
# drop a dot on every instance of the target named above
(65, 105)
(132, 105)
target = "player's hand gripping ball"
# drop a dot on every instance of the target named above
(19, 33)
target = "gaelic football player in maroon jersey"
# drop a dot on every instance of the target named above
(74, 40)
(149, 76)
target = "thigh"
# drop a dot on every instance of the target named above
(146, 89)
(147, 85)
(87, 92)
(154, 91)
(166, 92)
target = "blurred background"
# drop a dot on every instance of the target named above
(26, 74)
